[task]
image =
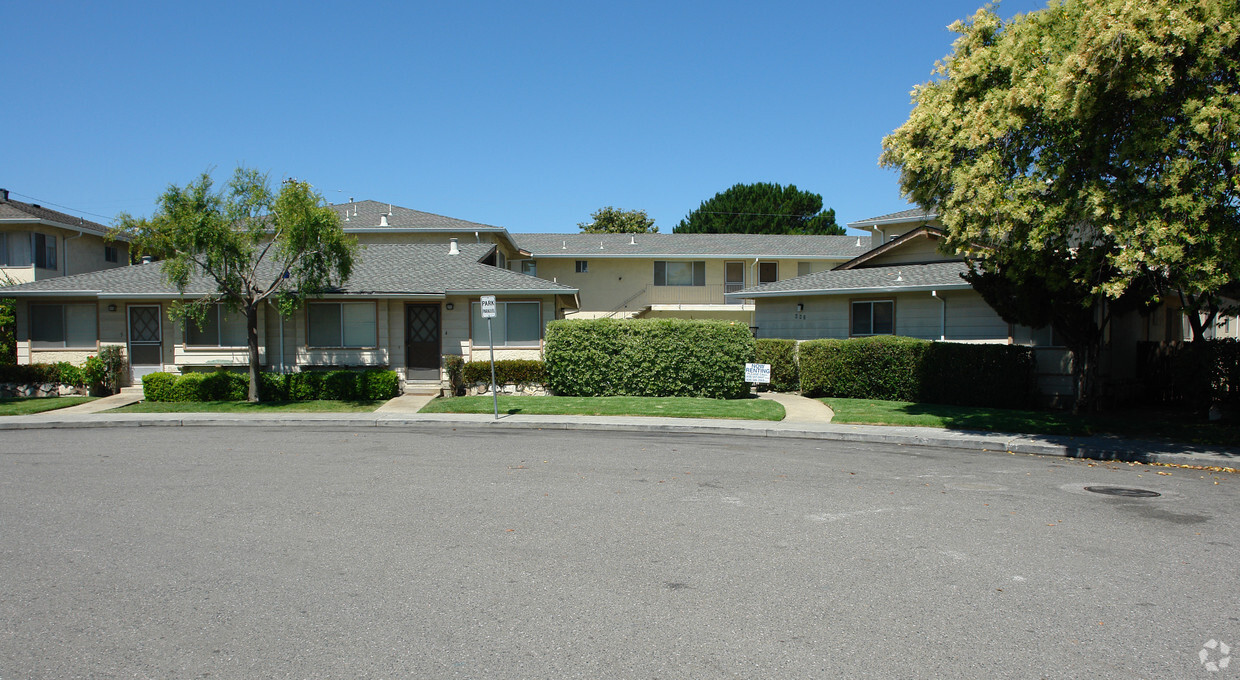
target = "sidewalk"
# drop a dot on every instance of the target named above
(1096, 448)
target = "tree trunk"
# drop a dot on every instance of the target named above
(251, 338)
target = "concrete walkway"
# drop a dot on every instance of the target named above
(126, 397)
(798, 409)
(406, 403)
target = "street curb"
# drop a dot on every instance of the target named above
(1092, 448)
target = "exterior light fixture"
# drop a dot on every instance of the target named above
(449, 306)
(112, 308)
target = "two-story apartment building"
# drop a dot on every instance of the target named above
(40, 243)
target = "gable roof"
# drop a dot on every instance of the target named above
(766, 246)
(889, 279)
(387, 270)
(14, 211)
(910, 215)
(894, 244)
(368, 215)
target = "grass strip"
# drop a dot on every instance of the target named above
(1177, 427)
(319, 406)
(22, 406)
(672, 407)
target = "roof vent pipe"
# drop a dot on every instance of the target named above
(4, 194)
(453, 249)
(632, 240)
(147, 259)
(383, 220)
(858, 241)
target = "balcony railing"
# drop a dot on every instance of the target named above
(711, 294)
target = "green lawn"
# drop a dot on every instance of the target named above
(21, 406)
(322, 406)
(1142, 425)
(675, 407)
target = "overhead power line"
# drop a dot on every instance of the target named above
(57, 205)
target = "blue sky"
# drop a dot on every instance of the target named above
(524, 115)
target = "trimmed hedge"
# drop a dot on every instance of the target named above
(371, 385)
(1193, 374)
(895, 368)
(29, 374)
(515, 371)
(648, 358)
(782, 356)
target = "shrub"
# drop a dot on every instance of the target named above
(1192, 374)
(648, 358)
(516, 371)
(68, 374)
(782, 356)
(158, 386)
(224, 385)
(376, 385)
(905, 369)
(454, 365)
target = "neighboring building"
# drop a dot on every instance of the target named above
(676, 275)
(413, 297)
(38, 243)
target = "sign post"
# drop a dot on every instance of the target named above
(757, 373)
(488, 313)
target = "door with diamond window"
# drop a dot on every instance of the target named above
(145, 341)
(422, 346)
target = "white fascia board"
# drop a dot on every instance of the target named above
(592, 255)
(512, 291)
(851, 291)
(418, 230)
(61, 225)
(869, 225)
(49, 293)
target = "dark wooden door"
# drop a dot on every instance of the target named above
(422, 344)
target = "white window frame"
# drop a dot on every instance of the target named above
(477, 332)
(221, 313)
(371, 343)
(92, 311)
(529, 267)
(852, 312)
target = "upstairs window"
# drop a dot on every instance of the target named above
(668, 273)
(110, 254)
(529, 267)
(44, 251)
(583, 266)
(873, 317)
(768, 272)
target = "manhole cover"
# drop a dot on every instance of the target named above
(1122, 491)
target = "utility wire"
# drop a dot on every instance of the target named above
(64, 207)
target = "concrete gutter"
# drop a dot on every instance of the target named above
(1094, 448)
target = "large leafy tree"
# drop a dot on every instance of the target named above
(609, 220)
(761, 208)
(1089, 149)
(252, 244)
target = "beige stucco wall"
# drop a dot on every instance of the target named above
(74, 254)
(441, 238)
(915, 250)
(610, 282)
(917, 315)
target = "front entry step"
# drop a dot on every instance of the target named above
(428, 388)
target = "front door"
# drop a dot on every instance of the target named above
(422, 346)
(145, 341)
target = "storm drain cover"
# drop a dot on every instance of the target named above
(1122, 491)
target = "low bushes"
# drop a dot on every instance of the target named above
(782, 356)
(371, 385)
(1191, 374)
(61, 372)
(648, 358)
(906, 369)
(515, 371)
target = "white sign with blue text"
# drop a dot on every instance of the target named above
(757, 373)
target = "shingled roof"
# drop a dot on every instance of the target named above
(406, 269)
(911, 215)
(12, 210)
(890, 279)
(767, 246)
(368, 215)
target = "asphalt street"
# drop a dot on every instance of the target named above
(432, 552)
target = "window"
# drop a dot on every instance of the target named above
(803, 268)
(768, 272)
(873, 317)
(668, 273)
(583, 266)
(516, 324)
(529, 267)
(44, 251)
(342, 324)
(63, 326)
(222, 327)
(110, 254)
(4, 250)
